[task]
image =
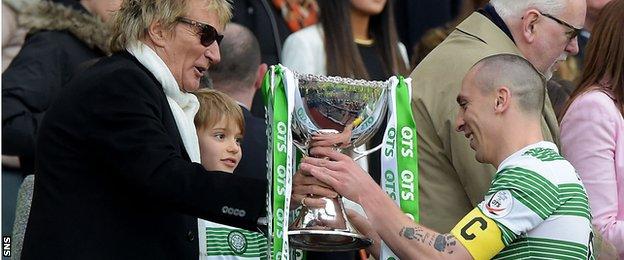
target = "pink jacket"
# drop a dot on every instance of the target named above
(592, 139)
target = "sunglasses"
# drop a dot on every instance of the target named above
(207, 33)
(574, 32)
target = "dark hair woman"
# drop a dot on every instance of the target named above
(355, 38)
(592, 128)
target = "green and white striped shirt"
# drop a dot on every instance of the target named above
(540, 205)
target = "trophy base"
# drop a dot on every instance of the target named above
(327, 240)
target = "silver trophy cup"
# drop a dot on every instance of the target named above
(350, 111)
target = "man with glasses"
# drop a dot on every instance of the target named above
(451, 181)
(573, 32)
(118, 158)
(207, 33)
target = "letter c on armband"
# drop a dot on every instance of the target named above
(464, 230)
(479, 234)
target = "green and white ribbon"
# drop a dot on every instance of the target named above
(278, 90)
(399, 157)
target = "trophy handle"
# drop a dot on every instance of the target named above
(363, 153)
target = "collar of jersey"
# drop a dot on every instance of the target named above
(512, 157)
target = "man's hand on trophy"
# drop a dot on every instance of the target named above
(308, 191)
(339, 171)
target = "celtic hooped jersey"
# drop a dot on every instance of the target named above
(536, 208)
(226, 242)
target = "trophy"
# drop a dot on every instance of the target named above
(329, 106)
(342, 111)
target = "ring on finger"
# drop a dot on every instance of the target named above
(303, 201)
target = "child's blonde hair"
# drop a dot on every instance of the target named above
(215, 105)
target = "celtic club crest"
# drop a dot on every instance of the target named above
(237, 242)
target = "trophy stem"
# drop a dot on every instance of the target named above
(325, 229)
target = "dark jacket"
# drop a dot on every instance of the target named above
(254, 146)
(414, 18)
(114, 180)
(266, 22)
(62, 37)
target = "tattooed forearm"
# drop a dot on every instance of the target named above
(440, 243)
(443, 243)
(428, 240)
(412, 233)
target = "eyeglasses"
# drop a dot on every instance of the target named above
(573, 30)
(207, 33)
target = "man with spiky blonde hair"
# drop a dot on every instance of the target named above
(118, 172)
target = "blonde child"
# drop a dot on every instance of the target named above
(220, 127)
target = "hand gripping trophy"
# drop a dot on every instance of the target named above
(343, 113)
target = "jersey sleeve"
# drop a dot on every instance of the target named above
(518, 201)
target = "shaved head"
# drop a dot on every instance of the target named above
(525, 83)
(240, 58)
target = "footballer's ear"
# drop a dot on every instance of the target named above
(502, 99)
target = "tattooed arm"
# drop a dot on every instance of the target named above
(406, 239)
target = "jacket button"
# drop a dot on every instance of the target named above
(190, 236)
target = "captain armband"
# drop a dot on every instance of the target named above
(479, 235)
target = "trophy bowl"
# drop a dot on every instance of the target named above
(352, 110)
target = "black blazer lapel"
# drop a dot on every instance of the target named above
(167, 115)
